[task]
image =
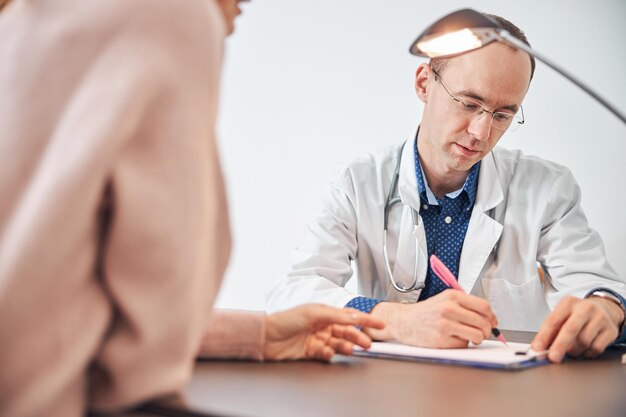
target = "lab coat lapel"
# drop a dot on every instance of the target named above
(483, 231)
(407, 183)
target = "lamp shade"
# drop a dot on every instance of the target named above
(458, 32)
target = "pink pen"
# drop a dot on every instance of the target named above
(448, 278)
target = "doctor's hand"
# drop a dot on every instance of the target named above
(449, 319)
(316, 331)
(579, 327)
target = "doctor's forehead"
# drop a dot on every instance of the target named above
(497, 69)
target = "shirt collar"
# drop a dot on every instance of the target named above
(470, 186)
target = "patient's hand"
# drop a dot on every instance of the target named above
(316, 331)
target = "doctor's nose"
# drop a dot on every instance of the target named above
(480, 126)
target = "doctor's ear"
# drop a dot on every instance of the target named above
(423, 76)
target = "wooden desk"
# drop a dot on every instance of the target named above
(365, 387)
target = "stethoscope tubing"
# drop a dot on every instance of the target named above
(389, 203)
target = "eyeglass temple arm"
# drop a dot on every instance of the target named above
(506, 37)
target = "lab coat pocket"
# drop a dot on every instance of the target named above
(517, 306)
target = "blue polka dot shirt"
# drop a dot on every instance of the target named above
(445, 223)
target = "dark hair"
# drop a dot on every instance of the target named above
(438, 64)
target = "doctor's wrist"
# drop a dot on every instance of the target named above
(389, 313)
(614, 305)
(614, 310)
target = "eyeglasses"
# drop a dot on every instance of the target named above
(499, 119)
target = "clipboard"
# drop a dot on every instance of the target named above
(490, 354)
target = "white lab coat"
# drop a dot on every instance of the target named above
(527, 210)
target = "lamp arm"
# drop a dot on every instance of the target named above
(506, 37)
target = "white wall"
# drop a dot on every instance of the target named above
(310, 84)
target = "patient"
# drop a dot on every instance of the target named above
(113, 220)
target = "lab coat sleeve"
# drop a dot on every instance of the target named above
(572, 253)
(320, 266)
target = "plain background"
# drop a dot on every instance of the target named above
(309, 85)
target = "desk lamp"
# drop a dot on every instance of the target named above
(466, 30)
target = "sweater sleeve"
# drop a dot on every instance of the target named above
(234, 335)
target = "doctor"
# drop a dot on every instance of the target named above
(490, 214)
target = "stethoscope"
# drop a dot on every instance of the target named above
(391, 201)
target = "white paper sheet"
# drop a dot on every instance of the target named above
(490, 354)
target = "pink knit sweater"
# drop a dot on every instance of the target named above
(113, 220)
